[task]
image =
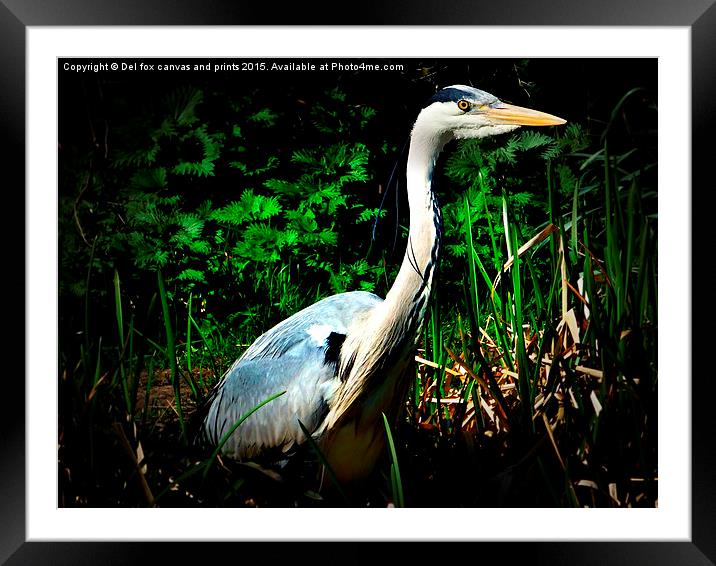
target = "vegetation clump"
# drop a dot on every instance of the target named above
(196, 215)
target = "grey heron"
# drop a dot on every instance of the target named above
(343, 361)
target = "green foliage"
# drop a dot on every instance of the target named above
(157, 207)
(225, 213)
(489, 171)
(219, 230)
(580, 373)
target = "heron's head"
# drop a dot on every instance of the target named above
(461, 111)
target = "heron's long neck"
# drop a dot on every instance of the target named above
(408, 297)
(390, 334)
(376, 352)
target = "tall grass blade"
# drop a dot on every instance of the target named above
(188, 335)
(496, 305)
(205, 341)
(617, 110)
(553, 212)
(490, 228)
(527, 258)
(118, 308)
(324, 462)
(205, 466)
(395, 477)
(523, 370)
(171, 353)
(630, 240)
(233, 428)
(643, 275)
(573, 249)
(506, 223)
(473, 300)
(122, 341)
(612, 252)
(98, 365)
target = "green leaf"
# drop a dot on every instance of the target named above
(154, 178)
(204, 168)
(328, 237)
(183, 102)
(283, 186)
(529, 139)
(191, 224)
(264, 116)
(191, 275)
(268, 207)
(234, 213)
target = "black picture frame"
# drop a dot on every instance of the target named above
(16, 15)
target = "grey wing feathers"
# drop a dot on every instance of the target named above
(293, 357)
(336, 312)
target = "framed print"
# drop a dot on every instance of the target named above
(195, 192)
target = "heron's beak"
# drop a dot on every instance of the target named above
(502, 113)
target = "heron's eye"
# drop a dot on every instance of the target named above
(463, 105)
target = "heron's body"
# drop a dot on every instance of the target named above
(343, 360)
(299, 356)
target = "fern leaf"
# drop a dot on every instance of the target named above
(505, 153)
(191, 224)
(269, 207)
(282, 186)
(183, 102)
(457, 250)
(261, 234)
(290, 238)
(370, 214)
(264, 116)
(167, 129)
(199, 246)
(551, 151)
(304, 156)
(522, 199)
(337, 94)
(530, 139)
(234, 213)
(366, 113)
(160, 257)
(191, 275)
(136, 156)
(203, 168)
(328, 237)
(154, 178)
(271, 163)
(367, 286)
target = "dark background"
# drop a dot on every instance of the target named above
(580, 90)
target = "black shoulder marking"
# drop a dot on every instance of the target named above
(333, 347)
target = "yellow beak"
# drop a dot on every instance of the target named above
(516, 115)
